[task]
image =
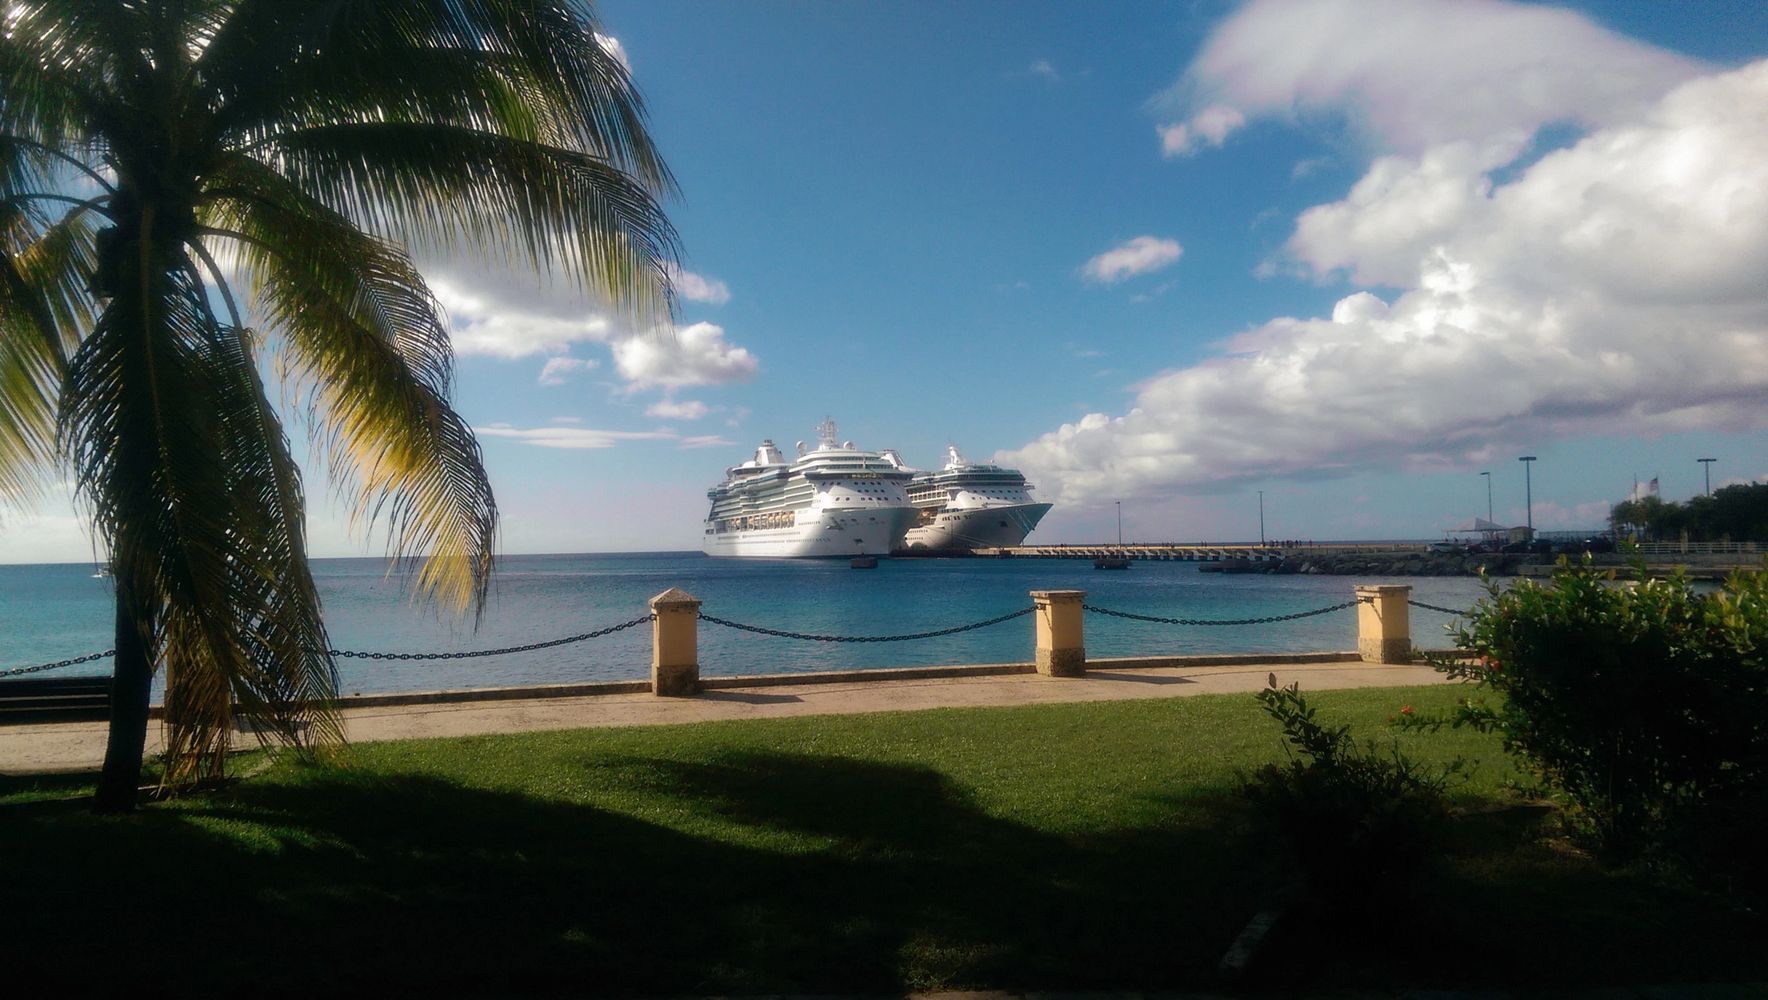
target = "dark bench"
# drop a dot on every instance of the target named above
(54, 699)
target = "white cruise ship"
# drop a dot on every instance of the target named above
(967, 506)
(834, 500)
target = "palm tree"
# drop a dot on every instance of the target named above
(186, 184)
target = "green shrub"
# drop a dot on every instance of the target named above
(1643, 704)
(1361, 820)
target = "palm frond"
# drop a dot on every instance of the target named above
(44, 307)
(61, 65)
(438, 187)
(289, 680)
(137, 419)
(190, 479)
(282, 66)
(362, 330)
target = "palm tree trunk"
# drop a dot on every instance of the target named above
(133, 677)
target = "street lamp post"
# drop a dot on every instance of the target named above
(1707, 467)
(1261, 518)
(1488, 476)
(1119, 504)
(1528, 492)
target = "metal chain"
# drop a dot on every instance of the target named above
(864, 638)
(57, 665)
(471, 654)
(1446, 611)
(760, 630)
(1232, 621)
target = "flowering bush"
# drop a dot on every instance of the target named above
(1644, 704)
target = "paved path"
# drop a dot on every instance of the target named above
(75, 746)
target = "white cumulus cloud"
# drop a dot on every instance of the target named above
(1612, 286)
(480, 322)
(558, 371)
(1410, 74)
(1141, 255)
(699, 288)
(612, 46)
(696, 354)
(669, 409)
(1207, 128)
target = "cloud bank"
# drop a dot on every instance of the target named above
(1611, 286)
(1412, 74)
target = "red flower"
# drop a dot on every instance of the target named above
(1405, 709)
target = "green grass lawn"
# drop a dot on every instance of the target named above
(1095, 846)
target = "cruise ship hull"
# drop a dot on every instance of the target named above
(820, 534)
(977, 527)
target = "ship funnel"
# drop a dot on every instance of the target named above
(801, 449)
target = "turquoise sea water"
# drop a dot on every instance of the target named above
(49, 612)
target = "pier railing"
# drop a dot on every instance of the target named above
(1058, 635)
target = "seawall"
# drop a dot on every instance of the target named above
(1695, 565)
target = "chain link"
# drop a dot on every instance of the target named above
(348, 654)
(1446, 611)
(1231, 621)
(759, 630)
(472, 654)
(57, 665)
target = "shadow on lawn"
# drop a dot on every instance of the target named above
(867, 877)
(761, 872)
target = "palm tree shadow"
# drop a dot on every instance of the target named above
(768, 872)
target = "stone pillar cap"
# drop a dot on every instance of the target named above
(674, 597)
(1058, 595)
(1382, 587)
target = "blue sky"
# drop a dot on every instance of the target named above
(1348, 252)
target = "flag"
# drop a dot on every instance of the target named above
(1651, 487)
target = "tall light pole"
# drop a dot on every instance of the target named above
(1261, 517)
(1119, 504)
(1488, 476)
(1528, 491)
(1707, 467)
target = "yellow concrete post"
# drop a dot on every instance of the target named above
(1384, 624)
(675, 652)
(1061, 648)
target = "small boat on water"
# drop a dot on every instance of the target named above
(1112, 562)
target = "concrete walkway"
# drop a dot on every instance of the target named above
(77, 746)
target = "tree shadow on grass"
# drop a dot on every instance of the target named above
(763, 872)
(1509, 903)
(800, 874)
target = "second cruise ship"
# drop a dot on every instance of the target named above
(833, 500)
(970, 506)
